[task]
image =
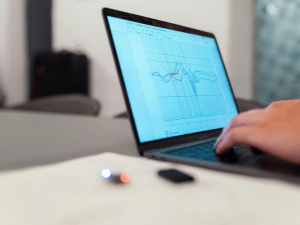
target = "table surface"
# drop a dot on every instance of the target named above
(73, 192)
(31, 139)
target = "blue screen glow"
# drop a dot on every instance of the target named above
(176, 82)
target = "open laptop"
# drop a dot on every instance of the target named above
(179, 97)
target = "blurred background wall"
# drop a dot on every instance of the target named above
(13, 59)
(277, 50)
(77, 25)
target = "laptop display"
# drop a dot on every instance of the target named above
(176, 82)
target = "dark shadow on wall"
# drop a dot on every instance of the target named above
(39, 33)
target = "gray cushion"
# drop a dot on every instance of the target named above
(71, 104)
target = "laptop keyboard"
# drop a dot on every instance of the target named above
(199, 151)
(205, 151)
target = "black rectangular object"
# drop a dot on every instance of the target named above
(60, 73)
(175, 176)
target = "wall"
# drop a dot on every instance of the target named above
(242, 47)
(3, 39)
(78, 24)
(13, 50)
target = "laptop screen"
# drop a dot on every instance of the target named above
(175, 81)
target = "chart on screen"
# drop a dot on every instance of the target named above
(185, 80)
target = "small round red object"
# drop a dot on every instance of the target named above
(125, 177)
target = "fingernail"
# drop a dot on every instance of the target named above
(217, 142)
(218, 147)
(215, 149)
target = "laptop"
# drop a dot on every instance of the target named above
(178, 96)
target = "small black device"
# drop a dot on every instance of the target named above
(175, 176)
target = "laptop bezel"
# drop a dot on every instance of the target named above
(171, 141)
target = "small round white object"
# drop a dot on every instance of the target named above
(106, 174)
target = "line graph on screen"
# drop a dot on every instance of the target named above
(178, 74)
(185, 80)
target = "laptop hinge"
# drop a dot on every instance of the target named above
(178, 141)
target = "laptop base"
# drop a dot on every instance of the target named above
(240, 160)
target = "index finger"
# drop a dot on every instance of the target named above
(244, 119)
(247, 135)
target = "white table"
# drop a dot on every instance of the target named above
(30, 139)
(73, 192)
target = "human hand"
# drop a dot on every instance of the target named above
(274, 130)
